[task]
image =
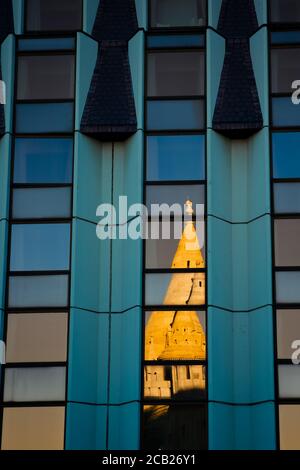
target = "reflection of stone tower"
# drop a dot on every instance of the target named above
(178, 335)
(180, 332)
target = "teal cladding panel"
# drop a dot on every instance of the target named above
(7, 62)
(86, 58)
(86, 427)
(125, 356)
(88, 357)
(214, 8)
(90, 8)
(260, 58)
(124, 427)
(215, 53)
(136, 60)
(19, 8)
(142, 13)
(242, 427)
(261, 7)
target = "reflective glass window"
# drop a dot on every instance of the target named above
(286, 159)
(43, 160)
(40, 247)
(176, 40)
(175, 13)
(288, 331)
(53, 15)
(285, 113)
(285, 69)
(44, 118)
(287, 247)
(176, 195)
(37, 337)
(175, 289)
(289, 381)
(285, 11)
(35, 203)
(176, 114)
(287, 287)
(289, 418)
(287, 198)
(38, 291)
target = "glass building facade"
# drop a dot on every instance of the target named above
(181, 341)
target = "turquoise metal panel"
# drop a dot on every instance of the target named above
(242, 427)
(88, 357)
(142, 13)
(3, 258)
(90, 8)
(90, 278)
(124, 427)
(18, 8)
(214, 8)
(7, 62)
(260, 58)
(242, 377)
(92, 176)
(127, 254)
(125, 356)
(86, 427)
(215, 53)
(5, 159)
(136, 60)
(238, 177)
(261, 7)
(86, 58)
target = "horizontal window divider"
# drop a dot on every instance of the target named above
(282, 362)
(285, 94)
(287, 268)
(176, 182)
(294, 306)
(170, 49)
(283, 27)
(37, 310)
(46, 52)
(28, 365)
(284, 45)
(178, 30)
(282, 216)
(172, 308)
(286, 180)
(176, 98)
(45, 101)
(41, 221)
(41, 185)
(39, 273)
(177, 362)
(174, 133)
(285, 128)
(174, 271)
(288, 401)
(33, 404)
(48, 35)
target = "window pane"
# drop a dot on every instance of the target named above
(175, 289)
(285, 11)
(46, 44)
(289, 419)
(285, 37)
(287, 287)
(287, 198)
(178, 157)
(179, 195)
(172, 13)
(287, 247)
(35, 384)
(176, 40)
(175, 115)
(289, 381)
(175, 74)
(37, 337)
(286, 160)
(288, 328)
(46, 77)
(54, 15)
(38, 291)
(175, 245)
(285, 69)
(180, 382)
(44, 118)
(285, 113)
(169, 427)
(43, 160)
(178, 335)
(36, 428)
(41, 247)
(45, 203)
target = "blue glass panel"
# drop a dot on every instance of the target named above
(38, 203)
(287, 198)
(286, 37)
(286, 154)
(183, 40)
(38, 291)
(43, 160)
(178, 157)
(40, 247)
(56, 44)
(43, 118)
(285, 113)
(175, 114)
